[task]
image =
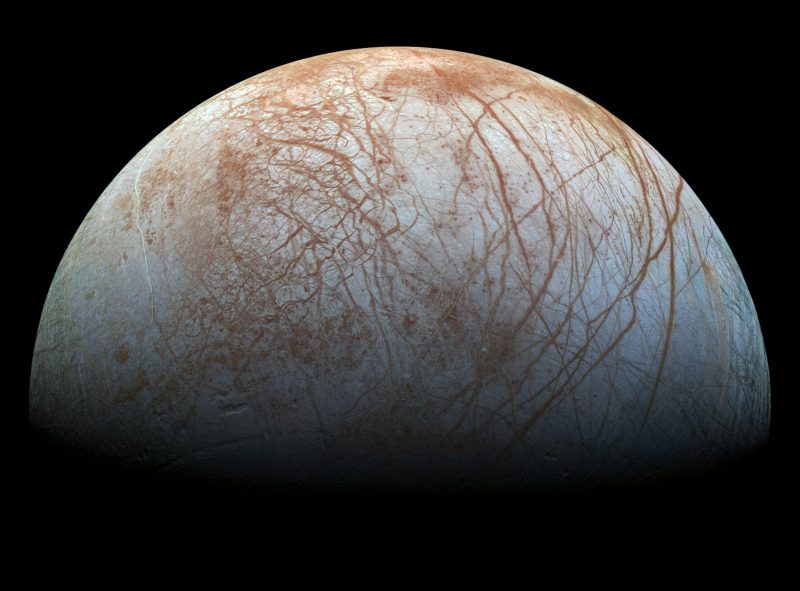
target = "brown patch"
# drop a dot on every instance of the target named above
(129, 393)
(300, 344)
(410, 323)
(168, 398)
(433, 291)
(122, 353)
(440, 81)
(90, 295)
(575, 103)
(232, 175)
(720, 313)
(500, 345)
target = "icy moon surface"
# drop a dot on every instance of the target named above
(401, 267)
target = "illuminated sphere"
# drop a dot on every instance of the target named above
(406, 268)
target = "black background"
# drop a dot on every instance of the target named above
(709, 93)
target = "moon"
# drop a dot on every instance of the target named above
(407, 268)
